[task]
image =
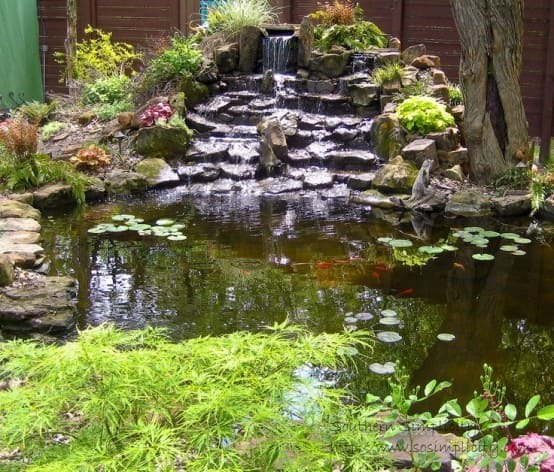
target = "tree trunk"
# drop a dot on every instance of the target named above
(70, 43)
(495, 127)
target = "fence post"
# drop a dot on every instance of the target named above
(548, 96)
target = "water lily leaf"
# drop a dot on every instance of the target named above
(389, 337)
(363, 316)
(401, 243)
(431, 249)
(98, 230)
(382, 369)
(145, 233)
(165, 222)
(483, 257)
(389, 313)
(119, 229)
(510, 235)
(178, 226)
(480, 241)
(447, 337)
(448, 247)
(522, 240)
(176, 237)
(462, 234)
(123, 217)
(474, 229)
(350, 319)
(384, 239)
(519, 252)
(508, 248)
(389, 321)
(139, 227)
(490, 234)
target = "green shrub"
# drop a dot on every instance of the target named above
(36, 112)
(51, 129)
(107, 90)
(422, 115)
(455, 95)
(109, 111)
(181, 58)
(136, 401)
(230, 16)
(388, 73)
(337, 13)
(360, 36)
(97, 56)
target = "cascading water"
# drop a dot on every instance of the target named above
(276, 53)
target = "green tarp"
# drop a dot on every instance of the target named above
(20, 72)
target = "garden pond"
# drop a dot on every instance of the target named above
(435, 302)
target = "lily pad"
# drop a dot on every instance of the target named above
(384, 239)
(363, 316)
(483, 257)
(447, 337)
(448, 247)
(97, 230)
(480, 241)
(510, 235)
(178, 226)
(177, 237)
(389, 321)
(382, 369)
(389, 313)
(139, 227)
(522, 241)
(389, 337)
(519, 252)
(431, 249)
(490, 234)
(123, 217)
(119, 229)
(508, 248)
(350, 319)
(462, 234)
(474, 229)
(165, 222)
(401, 243)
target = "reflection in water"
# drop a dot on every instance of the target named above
(250, 262)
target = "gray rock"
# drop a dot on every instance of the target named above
(468, 203)
(409, 75)
(387, 57)
(19, 224)
(53, 196)
(454, 173)
(207, 151)
(363, 94)
(547, 209)
(305, 42)
(124, 182)
(26, 197)
(349, 160)
(22, 255)
(512, 205)
(318, 179)
(244, 152)
(95, 191)
(208, 73)
(157, 172)
(20, 237)
(206, 172)
(161, 141)
(344, 134)
(398, 176)
(420, 150)
(269, 165)
(15, 209)
(426, 61)
(275, 186)
(447, 140)
(330, 65)
(274, 136)
(386, 136)
(411, 52)
(226, 58)
(320, 86)
(237, 171)
(361, 181)
(248, 48)
(459, 156)
(6, 271)
(376, 199)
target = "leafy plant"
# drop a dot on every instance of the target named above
(338, 13)
(97, 56)
(422, 115)
(388, 73)
(455, 95)
(51, 129)
(230, 16)
(360, 36)
(107, 90)
(182, 57)
(19, 137)
(118, 400)
(91, 158)
(153, 113)
(36, 112)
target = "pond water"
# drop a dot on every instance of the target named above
(250, 261)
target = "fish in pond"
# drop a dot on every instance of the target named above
(405, 293)
(323, 265)
(376, 275)
(381, 268)
(457, 265)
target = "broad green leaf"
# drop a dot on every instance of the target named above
(370, 398)
(390, 313)
(522, 423)
(511, 411)
(401, 243)
(452, 407)
(430, 387)
(531, 405)
(546, 413)
(447, 337)
(476, 406)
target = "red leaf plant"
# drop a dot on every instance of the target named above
(153, 113)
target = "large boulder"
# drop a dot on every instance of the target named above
(469, 203)
(330, 65)
(398, 176)
(363, 94)
(387, 138)
(516, 204)
(157, 172)
(162, 141)
(419, 151)
(15, 209)
(227, 58)
(124, 182)
(54, 196)
(6, 270)
(305, 42)
(249, 43)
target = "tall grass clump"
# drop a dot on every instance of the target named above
(230, 16)
(114, 400)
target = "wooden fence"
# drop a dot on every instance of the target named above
(430, 22)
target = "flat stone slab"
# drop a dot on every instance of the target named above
(15, 209)
(319, 179)
(512, 205)
(19, 224)
(376, 199)
(53, 196)
(22, 255)
(20, 237)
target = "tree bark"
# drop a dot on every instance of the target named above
(495, 127)
(70, 43)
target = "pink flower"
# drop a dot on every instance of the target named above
(533, 445)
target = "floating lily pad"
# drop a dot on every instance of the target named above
(119, 229)
(401, 243)
(483, 257)
(448, 247)
(522, 241)
(389, 337)
(490, 234)
(447, 337)
(123, 217)
(389, 313)
(145, 233)
(350, 319)
(389, 321)
(462, 234)
(139, 227)
(510, 235)
(382, 369)
(177, 237)
(363, 316)
(97, 230)
(474, 229)
(431, 249)
(384, 239)
(480, 241)
(519, 252)
(165, 222)
(178, 226)
(508, 248)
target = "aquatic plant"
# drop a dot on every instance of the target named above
(163, 227)
(423, 115)
(455, 95)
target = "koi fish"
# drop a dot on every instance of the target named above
(376, 275)
(405, 293)
(323, 265)
(381, 268)
(457, 265)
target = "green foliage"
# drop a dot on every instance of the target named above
(51, 129)
(338, 13)
(360, 36)
(421, 87)
(455, 95)
(36, 112)
(517, 178)
(230, 16)
(388, 73)
(181, 58)
(422, 115)
(107, 90)
(109, 111)
(97, 56)
(33, 170)
(114, 400)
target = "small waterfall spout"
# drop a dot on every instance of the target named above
(277, 53)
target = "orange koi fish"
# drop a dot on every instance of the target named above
(405, 293)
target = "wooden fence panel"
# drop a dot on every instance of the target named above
(53, 30)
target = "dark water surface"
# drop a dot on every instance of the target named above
(252, 261)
